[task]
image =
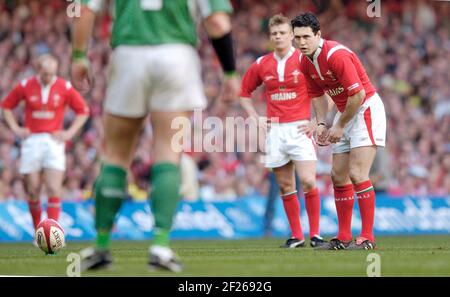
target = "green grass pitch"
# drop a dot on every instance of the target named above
(400, 256)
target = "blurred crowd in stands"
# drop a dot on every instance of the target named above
(406, 52)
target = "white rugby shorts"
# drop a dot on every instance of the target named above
(39, 151)
(154, 78)
(284, 143)
(366, 128)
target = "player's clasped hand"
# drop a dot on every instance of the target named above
(335, 133)
(81, 75)
(306, 128)
(62, 136)
(22, 132)
(322, 135)
(231, 89)
(264, 123)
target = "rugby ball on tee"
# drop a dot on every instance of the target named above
(50, 236)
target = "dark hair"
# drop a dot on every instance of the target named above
(307, 19)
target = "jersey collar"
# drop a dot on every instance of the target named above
(315, 57)
(317, 52)
(287, 56)
(51, 82)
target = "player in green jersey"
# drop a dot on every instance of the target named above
(154, 70)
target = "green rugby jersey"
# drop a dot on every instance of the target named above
(152, 22)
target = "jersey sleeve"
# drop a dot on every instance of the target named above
(314, 90)
(341, 63)
(210, 6)
(13, 98)
(250, 81)
(76, 101)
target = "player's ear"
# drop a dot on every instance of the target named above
(319, 33)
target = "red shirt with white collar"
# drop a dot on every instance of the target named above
(337, 70)
(44, 105)
(285, 87)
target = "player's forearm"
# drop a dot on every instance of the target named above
(247, 105)
(320, 105)
(79, 121)
(217, 24)
(10, 120)
(353, 104)
(218, 27)
(82, 30)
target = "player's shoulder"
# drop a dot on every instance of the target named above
(27, 82)
(63, 84)
(336, 50)
(24, 82)
(262, 60)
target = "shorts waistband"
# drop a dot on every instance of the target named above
(290, 123)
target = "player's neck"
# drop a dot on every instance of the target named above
(49, 83)
(313, 53)
(311, 56)
(281, 53)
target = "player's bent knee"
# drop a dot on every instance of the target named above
(339, 179)
(335, 177)
(286, 187)
(357, 177)
(33, 192)
(54, 192)
(308, 184)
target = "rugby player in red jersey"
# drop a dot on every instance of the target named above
(359, 126)
(42, 154)
(287, 150)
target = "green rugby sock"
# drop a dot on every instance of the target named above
(110, 191)
(165, 182)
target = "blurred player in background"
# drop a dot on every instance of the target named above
(155, 70)
(42, 154)
(358, 129)
(287, 150)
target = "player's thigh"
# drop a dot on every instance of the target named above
(298, 146)
(33, 184)
(55, 156)
(343, 145)
(285, 177)
(306, 170)
(164, 148)
(340, 169)
(121, 135)
(361, 160)
(31, 155)
(275, 155)
(129, 82)
(53, 179)
(176, 79)
(369, 127)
